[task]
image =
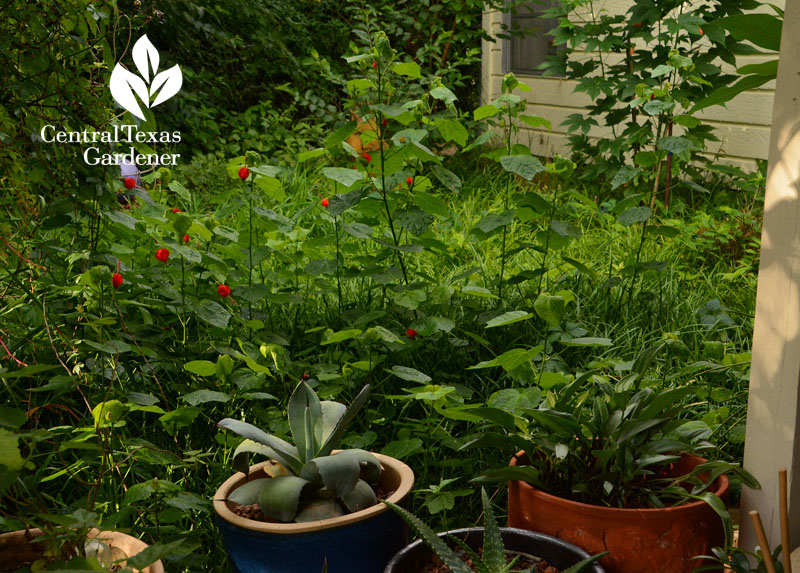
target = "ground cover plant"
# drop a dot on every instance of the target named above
(406, 247)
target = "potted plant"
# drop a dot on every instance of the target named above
(311, 506)
(611, 465)
(73, 549)
(502, 550)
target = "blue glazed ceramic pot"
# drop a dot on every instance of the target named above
(361, 542)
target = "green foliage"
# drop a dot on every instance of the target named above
(608, 443)
(492, 558)
(655, 65)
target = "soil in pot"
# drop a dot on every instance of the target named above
(523, 563)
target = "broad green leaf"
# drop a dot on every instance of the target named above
(203, 396)
(401, 449)
(634, 215)
(526, 166)
(485, 111)
(510, 359)
(624, 175)
(763, 30)
(535, 122)
(447, 178)
(410, 374)
(408, 69)
(213, 313)
(330, 337)
(247, 494)
(410, 299)
(443, 94)
(509, 318)
(201, 367)
(347, 177)
(452, 130)
(550, 308)
(725, 94)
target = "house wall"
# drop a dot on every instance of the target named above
(743, 126)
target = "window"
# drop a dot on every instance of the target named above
(525, 53)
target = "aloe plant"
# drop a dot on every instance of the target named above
(493, 558)
(309, 483)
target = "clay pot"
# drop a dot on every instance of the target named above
(638, 540)
(17, 548)
(360, 542)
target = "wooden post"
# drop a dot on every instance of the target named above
(773, 415)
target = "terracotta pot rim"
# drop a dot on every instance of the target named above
(405, 474)
(112, 538)
(722, 485)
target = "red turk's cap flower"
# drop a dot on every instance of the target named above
(116, 280)
(325, 202)
(367, 157)
(409, 181)
(244, 173)
(223, 290)
(186, 238)
(384, 122)
(701, 30)
(411, 333)
(306, 376)
(162, 255)
(129, 182)
(176, 210)
(631, 52)
(652, 96)
(374, 64)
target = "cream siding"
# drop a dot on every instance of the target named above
(742, 126)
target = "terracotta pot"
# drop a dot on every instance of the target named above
(17, 548)
(558, 553)
(360, 542)
(638, 540)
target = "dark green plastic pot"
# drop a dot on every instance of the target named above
(558, 553)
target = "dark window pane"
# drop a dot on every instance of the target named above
(532, 49)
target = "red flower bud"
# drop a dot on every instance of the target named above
(223, 290)
(374, 64)
(631, 52)
(244, 173)
(701, 30)
(409, 181)
(652, 96)
(384, 122)
(411, 333)
(116, 280)
(367, 157)
(325, 202)
(162, 255)
(129, 182)
(186, 238)
(176, 210)
(306, 376)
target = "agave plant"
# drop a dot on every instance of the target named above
(493, 557)
(309, 482)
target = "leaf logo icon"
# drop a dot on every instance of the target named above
(126, 85)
